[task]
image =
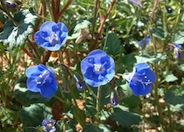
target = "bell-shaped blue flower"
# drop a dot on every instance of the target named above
(51, 35)
(176, 48)
(144, 42)
(41, 79)
(141, 79)
(98, 68)
(48, 125)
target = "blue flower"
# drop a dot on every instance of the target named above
(41, 79)
(98, 68)
(141, 79)
(79, 82)
(48, 125)
(51, 35)
(145, 42)
(113, 98)
(177, 50)
(136, 2)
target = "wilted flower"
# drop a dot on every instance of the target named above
(51, 35)
(145, 42)
(113, 98)
(48, 125)
(141, 79)
(41, 79)
(136, 2)
(79, 82)
(98, 68)
(177, 50)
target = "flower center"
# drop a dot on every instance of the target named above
(43, 78)
(143, 80)
(98, 68)
(54, 39)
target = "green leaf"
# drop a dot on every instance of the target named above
(179, 38)
(148, 58)
(170, 78)
(124, 117)
(33, 116)
(100, 128)
(26, 97)
(112, 44)
(176, 101)
(16, 31)
(158, 33)
(132, 101)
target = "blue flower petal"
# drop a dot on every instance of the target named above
(141, 79)
(32, 86)
(41, 79)
(51, 35)
(98, 68)
(140, 89)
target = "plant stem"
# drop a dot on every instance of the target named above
(98, 99)
(159, 108)
(95, 44)
(63, 10)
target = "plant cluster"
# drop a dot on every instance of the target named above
(109, 65)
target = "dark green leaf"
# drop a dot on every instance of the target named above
(16, 31)
(112, 44)
(177, 102)
(124, 117)
(33, 116)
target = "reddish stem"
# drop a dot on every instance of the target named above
(27, 52)
(102, 24)
(63, 10)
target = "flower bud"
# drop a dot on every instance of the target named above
(10, 4)
(79, 82)
(169, 9)
(113, 98)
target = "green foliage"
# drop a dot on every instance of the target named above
(33, 116)
(93, 25)
(16, 31)
(125, 117)
(112, 44)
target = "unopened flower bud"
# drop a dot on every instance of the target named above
(113, 98)
(79, 82)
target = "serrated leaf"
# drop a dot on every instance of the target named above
(26, 97)
(124, 117)
(16, 31)
(112, 44)
(170, 78)
(33, 116)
